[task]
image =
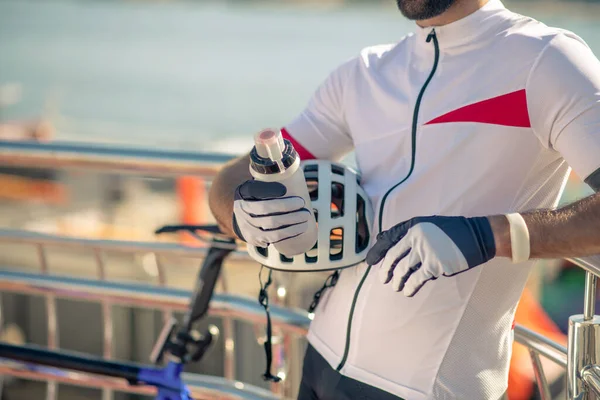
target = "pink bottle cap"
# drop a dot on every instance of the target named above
(269, 144)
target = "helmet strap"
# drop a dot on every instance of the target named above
(330, 282)
(263, 299)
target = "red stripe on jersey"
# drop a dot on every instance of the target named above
(302, 152)
(508, 110)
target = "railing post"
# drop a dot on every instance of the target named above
(107, 319)
(52, 319)
(591, 376)
(584, 341)
(589, 305)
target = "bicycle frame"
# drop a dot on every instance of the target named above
(167, 380)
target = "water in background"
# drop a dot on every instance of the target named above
(199, 75)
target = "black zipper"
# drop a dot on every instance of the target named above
(430, 37)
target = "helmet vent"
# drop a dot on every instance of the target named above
(337, 200)
(285, 259)
(311, 173)
(311, 256)
(336, 169)
(336, 248)
(362, 230)
(263, 251)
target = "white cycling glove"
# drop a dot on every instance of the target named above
(422, 249)
(263, 215)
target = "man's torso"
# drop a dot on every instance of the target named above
(474, 154)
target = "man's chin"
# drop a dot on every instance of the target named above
(426, 10)
(411, 13)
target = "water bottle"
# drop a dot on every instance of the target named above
(274, 159)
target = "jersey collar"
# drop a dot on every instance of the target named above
(472, 27)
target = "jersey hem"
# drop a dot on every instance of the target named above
(361, 375)
(394, 388)
(329, 355)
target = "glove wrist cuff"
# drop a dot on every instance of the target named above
(485, 237)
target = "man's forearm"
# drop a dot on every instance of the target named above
(222, 190)
(571, 231)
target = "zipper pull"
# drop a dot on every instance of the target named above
(431, 35)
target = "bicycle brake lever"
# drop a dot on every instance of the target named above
(203, 344)
(212, 229)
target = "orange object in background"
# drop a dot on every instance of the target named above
(531, 315)
(23, 189)
(191, 192)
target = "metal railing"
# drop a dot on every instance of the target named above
(584, 339)
(201, 386)
(228, 307)
(581, 357)
(137, 161)
(222, 305)
(539, 345)
(110, 158)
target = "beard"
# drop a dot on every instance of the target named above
(423, 9)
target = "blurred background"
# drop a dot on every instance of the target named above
(197, 76)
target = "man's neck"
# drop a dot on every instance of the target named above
(458, 10)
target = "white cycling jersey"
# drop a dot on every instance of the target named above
(491, 110)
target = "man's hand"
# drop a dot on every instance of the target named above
(425, 248)
(263, 215)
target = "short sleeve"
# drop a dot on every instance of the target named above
(563, 98)
(321, 128)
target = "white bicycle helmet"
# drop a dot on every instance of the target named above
(344, 217)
